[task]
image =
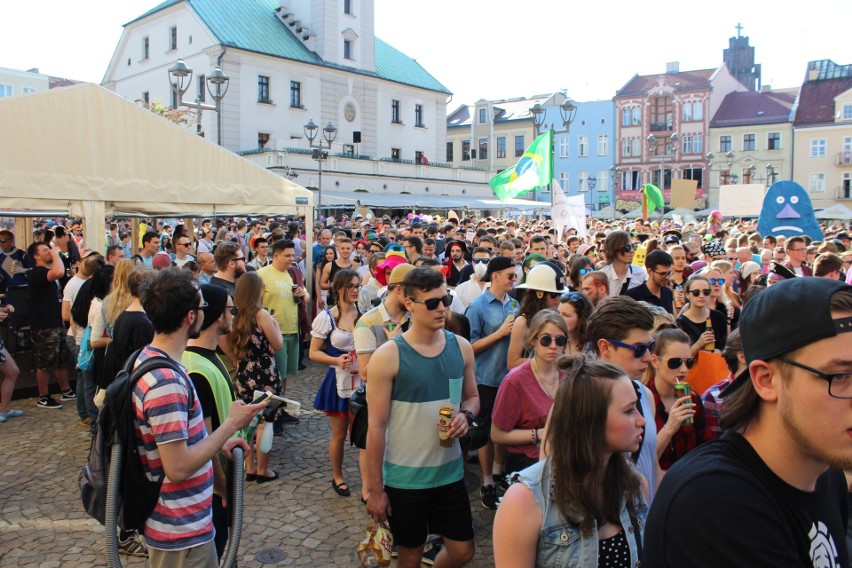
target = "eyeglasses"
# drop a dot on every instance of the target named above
(480, 260)
(546, 340)
(353, 287)
(666, 274)
(796, 250)
(716, 281)
(638, 350)
(432, 303)
(200, 307)
(839, 384)
(696, 293)
(233, 309)
(676, 362)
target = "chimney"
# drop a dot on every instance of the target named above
(672, 67)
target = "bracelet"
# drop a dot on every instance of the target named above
(534, 436)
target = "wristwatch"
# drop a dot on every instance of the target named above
(470, 417)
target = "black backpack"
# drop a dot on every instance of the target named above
(137, 495)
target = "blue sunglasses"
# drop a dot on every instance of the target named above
(716, 281)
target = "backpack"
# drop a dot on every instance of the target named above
(86, 355)
(137, 495)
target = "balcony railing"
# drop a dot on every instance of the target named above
(844, 159)
(661, 126)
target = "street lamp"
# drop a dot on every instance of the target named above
(329, 133)
(180, 77)
(770, 174)
(592, 182)
(567, 111)
(670, 148)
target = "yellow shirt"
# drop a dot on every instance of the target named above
(278, 298)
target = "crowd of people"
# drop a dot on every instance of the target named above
(608, 379)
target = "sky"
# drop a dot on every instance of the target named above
(494, 49)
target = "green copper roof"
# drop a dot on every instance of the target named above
(252, 25)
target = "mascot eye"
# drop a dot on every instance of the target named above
(779, 200)
(794, 199)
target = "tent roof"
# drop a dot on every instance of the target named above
(338, 199)
(836, 211)
(65, 147)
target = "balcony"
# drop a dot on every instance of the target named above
(661, 126)
(844, 159)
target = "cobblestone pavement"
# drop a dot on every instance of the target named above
(298, 518)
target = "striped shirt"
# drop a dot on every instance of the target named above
(167, 410)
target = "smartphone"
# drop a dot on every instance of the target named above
(260, 397)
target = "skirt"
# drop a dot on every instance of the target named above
(327, 399)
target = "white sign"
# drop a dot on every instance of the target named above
(568, 212)
(743, 200)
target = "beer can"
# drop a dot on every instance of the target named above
(296, 299)
(682, 390)
(445, 420)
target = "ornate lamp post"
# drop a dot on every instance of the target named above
(567, 111)
(669, 149)
(180, 77)
(320, 153)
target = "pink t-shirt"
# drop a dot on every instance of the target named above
(521, 404)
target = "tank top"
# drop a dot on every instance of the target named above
(414, 457)
(647, 462)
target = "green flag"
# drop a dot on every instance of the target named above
(653, 197)
(534, 169)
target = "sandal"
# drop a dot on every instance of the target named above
(341, 488)
(265, 479)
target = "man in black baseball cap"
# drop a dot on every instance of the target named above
(779, 497)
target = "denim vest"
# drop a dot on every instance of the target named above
(560, 542)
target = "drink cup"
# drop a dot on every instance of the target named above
(683, 390)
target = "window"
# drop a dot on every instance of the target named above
(686, 144)
(6, 90)
(483, 148)
(749, 143)
(501, 146)
(296, 94)
(418, 116)
(262, 140)
(347, 7)
(818, 148)
(450, 152)
(483, 115)
(603, 145)
(847, 112)
(418, 157)
(847, 144)
(637, 116)
(626, 116)
(395, 112)
(263, 89)
(725, 144)
(519, 146)
(202, 93)
(349, 150)
(27, 90)
(172, 38)
(773, 141)
(694, 173)
(698, 144)
(582, 147)
(465, 150)
(817, 183)
(146, 97)
(146, 47)
(603, 181)
(395, 154)
(662, 112)
(564, 181)
(563, 147)
(625, 148)
(582, 181)
(347, 49)
(693, 112)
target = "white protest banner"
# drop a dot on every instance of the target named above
(568, 212)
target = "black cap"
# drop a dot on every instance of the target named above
(497, 264)
(786, 316)
(216, 298)
(779, 269)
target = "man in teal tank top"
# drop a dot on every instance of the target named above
(413, 480)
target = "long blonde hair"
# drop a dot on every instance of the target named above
(248, 298)
(119, 296)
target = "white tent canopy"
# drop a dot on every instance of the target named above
(836, 211)
(84, 151)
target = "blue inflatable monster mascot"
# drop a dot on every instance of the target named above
(787, 210)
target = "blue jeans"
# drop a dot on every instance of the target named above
(73, 349)
(89, 388)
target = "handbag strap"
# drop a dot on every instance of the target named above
(637, 533)
(634, 457)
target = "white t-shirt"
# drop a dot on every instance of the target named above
(468, 291)
(69, 295)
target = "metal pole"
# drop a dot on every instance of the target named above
(319, 196)
(218, 122)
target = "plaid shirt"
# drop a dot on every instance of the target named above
(687, 437)
(713, 406)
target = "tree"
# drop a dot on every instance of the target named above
(180, 116)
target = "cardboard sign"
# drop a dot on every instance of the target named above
(683, 193)
(568, 212)
(744, 200)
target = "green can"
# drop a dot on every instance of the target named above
(682, 390)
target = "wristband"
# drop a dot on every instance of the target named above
(470, 417)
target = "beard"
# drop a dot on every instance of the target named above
(806, 446)
(195, 329)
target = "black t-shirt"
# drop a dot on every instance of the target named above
(45, 306)
(718, 320)
(465, 273)
(642, 294)
(202, 386)
(230, 287)
(132, 330)
(721, 505)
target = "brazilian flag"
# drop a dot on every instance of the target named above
(534, 169)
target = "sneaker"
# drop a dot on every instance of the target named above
(488, 495)
(501, 481)
(132, 546)
(431, 550)
(68, 395)
(48, 402)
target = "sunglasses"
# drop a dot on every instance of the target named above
(638, 350)
(480, 260)
(697, 293)
(432, 303)
(716, 281)
(546, 340)
(666, 274)
(676, 362)
(571, 297)
(238, 259)
(584, 271)
(511, 275)
(627, 248)
(184, 244)
(233, 309)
